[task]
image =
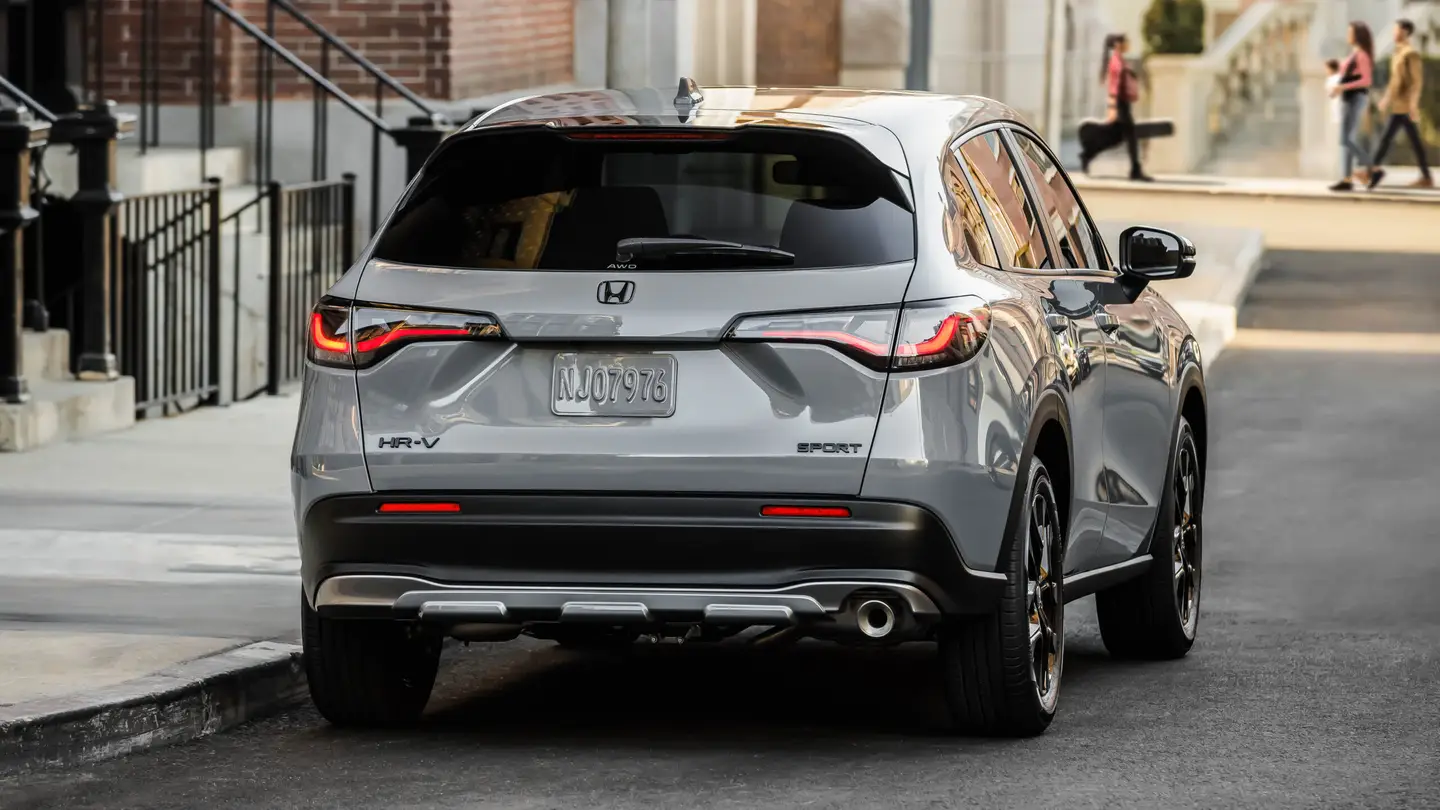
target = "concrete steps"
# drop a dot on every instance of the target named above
(62, 408)
(1267, 142)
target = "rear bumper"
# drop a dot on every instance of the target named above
(563, 557)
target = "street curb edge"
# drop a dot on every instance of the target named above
(181, 703)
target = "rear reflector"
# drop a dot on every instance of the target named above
(805, 511)
(413, 508)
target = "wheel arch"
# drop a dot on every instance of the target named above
(1048, 439)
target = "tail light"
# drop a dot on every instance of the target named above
(930, 334)
(360, 336)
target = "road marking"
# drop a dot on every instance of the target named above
(1366, 342)
(138, 557)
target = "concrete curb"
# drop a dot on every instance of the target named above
(181, 703)
(1214, 321)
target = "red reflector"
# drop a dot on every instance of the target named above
(392, 508)
(805, 511)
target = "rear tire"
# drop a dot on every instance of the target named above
(367, 673)
(1156, 615)
(1002, 671)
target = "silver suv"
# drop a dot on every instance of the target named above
(777, 363)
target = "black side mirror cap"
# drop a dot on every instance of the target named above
(1152, 254)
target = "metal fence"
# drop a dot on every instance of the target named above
(167, 297)
(312, 242)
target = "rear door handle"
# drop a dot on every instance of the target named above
(1058, 323)
(1107, 322)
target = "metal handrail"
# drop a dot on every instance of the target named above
(295, 62)
(355, 56)
(19, 95)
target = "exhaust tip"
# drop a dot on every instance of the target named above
(875, 618)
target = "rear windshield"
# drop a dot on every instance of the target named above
(541, 200)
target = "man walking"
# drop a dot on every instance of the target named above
(1402, 99)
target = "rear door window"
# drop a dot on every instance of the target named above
(1018, 234)
(1070, 229)
(965, 231)
(548, 201)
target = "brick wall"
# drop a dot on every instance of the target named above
(498, 45)
(177, 51)
(797, 42)
(441, 49)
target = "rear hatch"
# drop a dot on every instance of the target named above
(524, 325)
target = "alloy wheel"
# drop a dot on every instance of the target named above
(1185, 558)
(1042, 595)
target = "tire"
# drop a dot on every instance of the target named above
(367, 673)
(1002, 671)
(1156, 615)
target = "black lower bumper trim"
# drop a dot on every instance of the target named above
(639, 541)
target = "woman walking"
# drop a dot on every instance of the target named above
(1357, 74)
(1124, 91)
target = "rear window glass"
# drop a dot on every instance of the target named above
(541, 200)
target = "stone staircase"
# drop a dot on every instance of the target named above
(61, 407)
(1267, 141)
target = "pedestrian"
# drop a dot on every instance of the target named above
(1356, 76)
(1123, 91)
(1332, 80)
(1402, 101)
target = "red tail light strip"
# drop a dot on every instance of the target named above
(845, 338)
(939, 343)
(429, 507)
(403, 332)
(805, 511)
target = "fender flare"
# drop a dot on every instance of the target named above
(1049, 407)
(1191, 378)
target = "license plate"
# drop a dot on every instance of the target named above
(613, 385)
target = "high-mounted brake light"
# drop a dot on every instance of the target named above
(805, 511)
(342, 335)
(675, 135)
(929, 334)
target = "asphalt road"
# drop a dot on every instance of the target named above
(1313, 683)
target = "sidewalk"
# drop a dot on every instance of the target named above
(139, 569)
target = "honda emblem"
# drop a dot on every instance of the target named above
(615, 292)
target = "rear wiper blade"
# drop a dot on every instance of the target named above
(645, 249)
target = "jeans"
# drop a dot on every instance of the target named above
(1412, 132)
(1353, 110)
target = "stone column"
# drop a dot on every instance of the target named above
(724, 37)
(1178, 91)
(875, 43)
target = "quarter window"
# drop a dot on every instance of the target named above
(997, 181)
(965, 231)
(1069, 228)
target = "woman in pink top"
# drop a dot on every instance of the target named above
(1123, 90)
(1356, 75)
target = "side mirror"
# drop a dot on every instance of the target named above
(1150, 254)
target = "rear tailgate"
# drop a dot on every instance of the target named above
(671, 375)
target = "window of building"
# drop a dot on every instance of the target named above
(1018, 237)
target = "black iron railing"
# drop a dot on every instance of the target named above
(35, 315)
(312, 243)
(421, 134)
(167, 297)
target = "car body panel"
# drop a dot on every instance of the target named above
(950, 441)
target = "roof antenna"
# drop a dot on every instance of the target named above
(688, 97)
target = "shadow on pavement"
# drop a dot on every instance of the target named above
(813, 695)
